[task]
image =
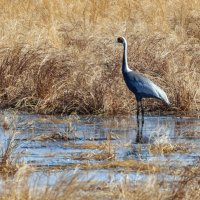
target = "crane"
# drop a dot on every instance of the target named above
(141, 86)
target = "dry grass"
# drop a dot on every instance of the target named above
(55, 136)
(188, 185)
(93, 156)
(86, 145)
(110, 163)
(70, 186)
(7, 163)
(9, 155)
(168, 148)
(60, 56)
(16, 182)
(133, 165)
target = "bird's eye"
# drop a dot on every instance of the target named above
(119, 40)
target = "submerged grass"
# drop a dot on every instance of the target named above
(60, 56)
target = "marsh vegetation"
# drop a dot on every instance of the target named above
(60, 56)
(93, 157)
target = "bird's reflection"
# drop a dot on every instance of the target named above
(139, 151)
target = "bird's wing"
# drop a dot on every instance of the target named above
(145, 87)
(160, 93)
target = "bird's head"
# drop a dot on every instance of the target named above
(121, 40)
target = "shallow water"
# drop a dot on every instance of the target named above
(33, 146)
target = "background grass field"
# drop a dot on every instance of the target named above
(60, 57)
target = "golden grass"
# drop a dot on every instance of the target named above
(94, 156)
(7, 164)
(168, 148)
(55, 136)
(110, 163)
(70, 186)
(85, 145)
(60, 56)
(9, 156)
(133, 165)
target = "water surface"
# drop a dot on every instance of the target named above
(55, 141)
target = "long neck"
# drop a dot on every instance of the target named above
(125, 67)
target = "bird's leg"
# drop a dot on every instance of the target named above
(138, 112)
(140, 122)
(141, 128)
(142, 109)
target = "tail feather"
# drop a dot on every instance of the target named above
(162, 95)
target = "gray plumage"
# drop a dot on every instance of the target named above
(141, 86)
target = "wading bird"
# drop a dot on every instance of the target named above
(141, 86)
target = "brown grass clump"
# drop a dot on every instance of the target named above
(55, 136)
(188, 185)
(60, 56)
(167, 148)
(9, 155)
(7, 163)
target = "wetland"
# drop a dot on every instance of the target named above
(98, 150)
(68, 128)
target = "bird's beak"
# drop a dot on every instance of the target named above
(116, 41)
